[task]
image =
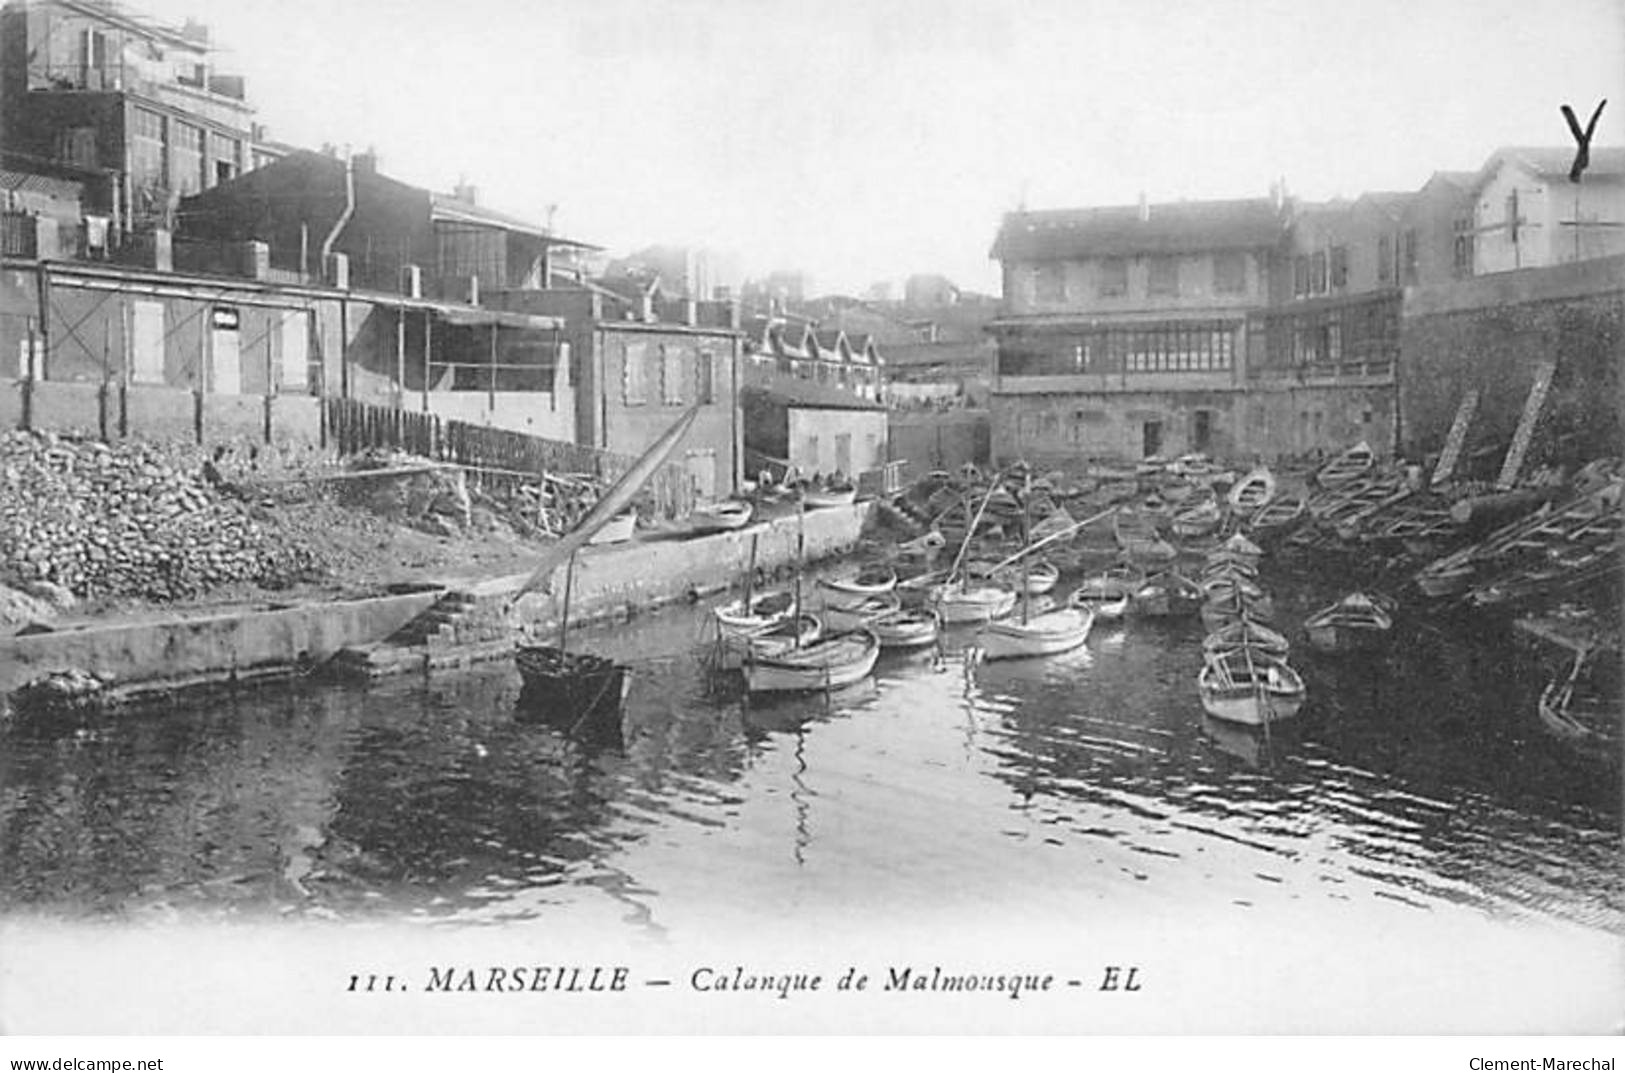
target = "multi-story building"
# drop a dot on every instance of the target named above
(138, 110)
(1125, 329)
(1527, 214)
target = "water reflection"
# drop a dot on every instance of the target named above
(1418, 776)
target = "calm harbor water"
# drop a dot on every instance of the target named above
(1417, 782)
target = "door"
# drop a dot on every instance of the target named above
(1150, 439)
(225, 358)
(147, 346)
(843, 453)
(294, 329)
(1202, 431)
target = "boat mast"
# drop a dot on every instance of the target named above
(1026, 530)
(801, 550)
(564, 617)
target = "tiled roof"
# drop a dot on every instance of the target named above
(1171, 227)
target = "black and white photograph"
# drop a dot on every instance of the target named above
(898, 518)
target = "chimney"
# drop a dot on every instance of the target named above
(366, 163)
(194, 30)
(1278, 193)
(1145, 208)
(466, 192)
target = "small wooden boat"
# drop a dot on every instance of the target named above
(1105, 608)
(1253, 491)
(1167, 594)
(1245, 633)
(857, 615)
(907, 629)
(1036, 578)
(1225, 567)
(1355, 622)
(1221, 585)
(735, 650)
(958, 604)
(1580, 716)
(1352, 463)
(720, 517)
(836, 495)
(1198, 521)
(1115, 581)
(1238, 548)
(1438, 582)
(1139, 540)
(1277, 514)
(570, 685)
(1221, 611)
(873, 580)
(1046, 634)
(617, 530)
(766, 610)
(1248, 687)
(1035, 605)
(825, 664)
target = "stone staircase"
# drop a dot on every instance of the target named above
(459, 630)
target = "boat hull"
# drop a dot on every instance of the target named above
(823, 665)
(618, 530)
(906, 629)
(815, 500)
(974, 605)
(1048, 634)
(1336, 637)
(1242, 687)
(569, 688)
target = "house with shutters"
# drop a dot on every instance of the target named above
(1527, 214)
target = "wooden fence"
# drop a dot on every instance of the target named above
(495, 458)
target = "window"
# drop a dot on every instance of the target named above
(1300, 276)
(1385, 260)
(1113, 277)
(705, 367)
(225, 157)
(671, 375)
(1463, 259)
(1340, 267)
(1317, 272)
(1410, 256)
(185, 158)
(1230, 273)
(1162, 277)
(1052, 282)
(146, 148)
(635, 375)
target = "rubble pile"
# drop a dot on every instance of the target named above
(132, 520)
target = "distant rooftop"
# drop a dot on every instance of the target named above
(1166, 227)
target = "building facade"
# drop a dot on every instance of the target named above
(1125, 329)
(139, 111)
(1527, 214)
(813, 429)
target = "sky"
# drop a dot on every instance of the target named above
(866, 140)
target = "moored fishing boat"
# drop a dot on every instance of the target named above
(617, 530)
(958, 604)
(1167, 594)
(1245, 633)
(834, 495)
(1352, 463)
(1276, 515)
(720, 517)
(907, 629)
(1044, 634)
(825, 664)
(1353, 623)
(1201, 520)
(1248, 687)
(569, 687)
(1104, 607)
(1139, 540)
(857, 614)
(766, 610)
(873, 580)
(1252, 492)
(1234, 606)
(1036, 579)
(735, 650)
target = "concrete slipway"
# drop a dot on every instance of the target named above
(441, 623)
